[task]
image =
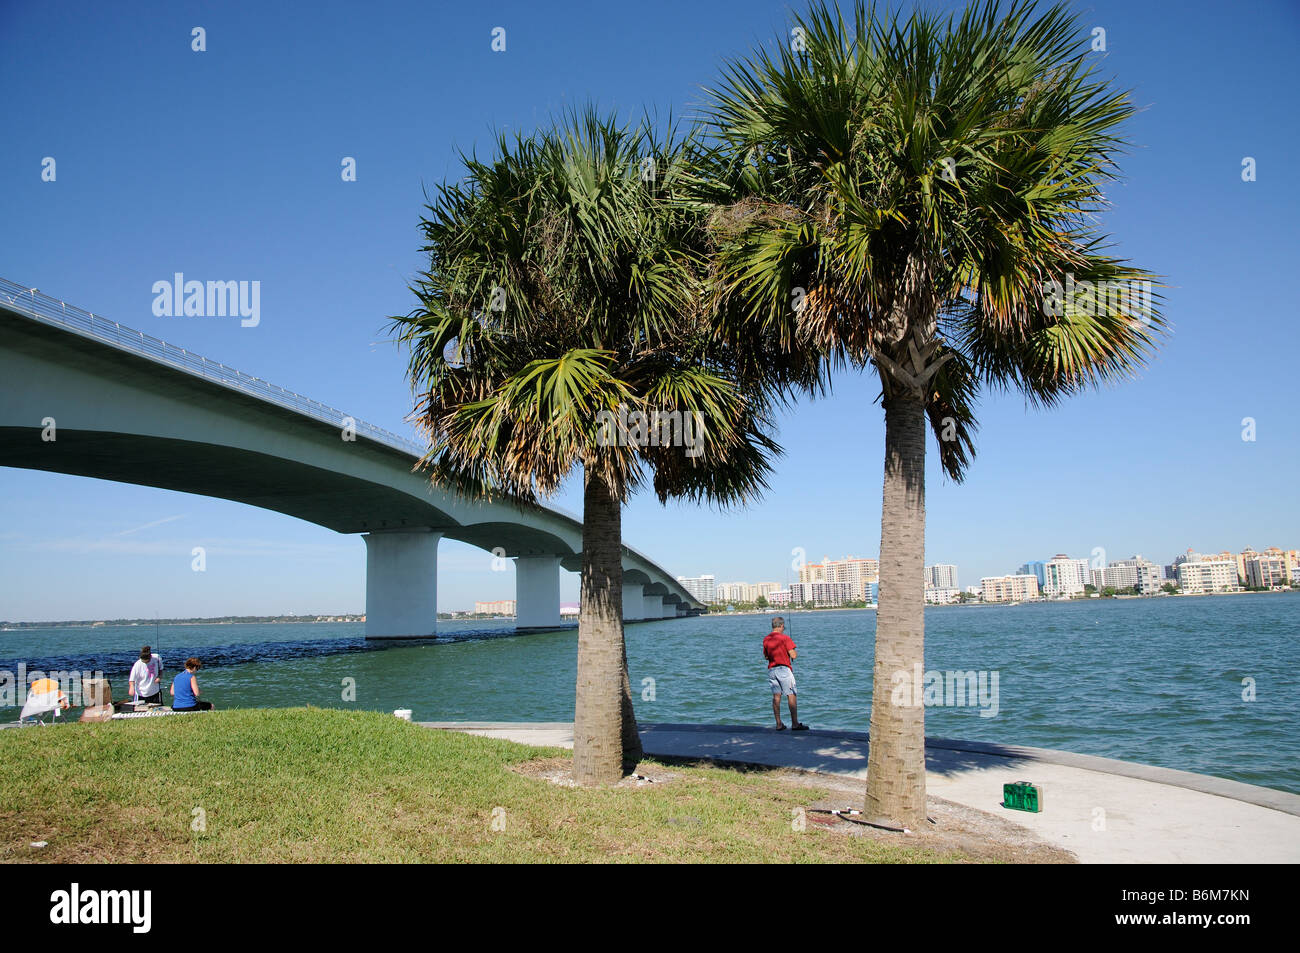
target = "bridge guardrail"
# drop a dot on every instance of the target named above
(50, 310)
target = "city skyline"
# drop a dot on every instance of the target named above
(1057, 577)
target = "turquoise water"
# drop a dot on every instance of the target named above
(1158, 681)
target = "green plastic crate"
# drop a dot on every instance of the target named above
(1023, 796)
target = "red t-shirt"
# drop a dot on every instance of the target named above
(777, 648)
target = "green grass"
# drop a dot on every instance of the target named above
(327, 786)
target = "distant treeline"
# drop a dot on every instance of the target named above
(153, 622)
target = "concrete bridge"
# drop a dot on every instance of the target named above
(121, 405)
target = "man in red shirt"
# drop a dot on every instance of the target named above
(778, 649)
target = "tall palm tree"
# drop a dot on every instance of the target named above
(561, 301)
(918, 197)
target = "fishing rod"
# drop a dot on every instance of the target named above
(157, 650)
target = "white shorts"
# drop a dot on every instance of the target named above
(781, 678)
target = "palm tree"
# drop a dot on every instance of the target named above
(918, 198)
(560, 303)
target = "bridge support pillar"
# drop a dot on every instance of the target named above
(654, 607)
(402, 584)
(633, 602)
(537, 593)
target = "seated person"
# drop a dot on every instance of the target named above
(146, 678)
(185, 689)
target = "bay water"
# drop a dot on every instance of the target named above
(1208, 684)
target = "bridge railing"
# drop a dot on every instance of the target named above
(47, 310)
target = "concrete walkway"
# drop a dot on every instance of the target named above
(1102, 810)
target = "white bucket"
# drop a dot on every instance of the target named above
(403, 713)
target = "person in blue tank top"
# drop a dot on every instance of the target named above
(185, 689)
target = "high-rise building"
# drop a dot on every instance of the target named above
(1138, 574)
(497, 607)
(701, 587)
(1266, 569)
(814, 572)
(736, 592)
(821, 593)
(1291, 559)
(1241, 559)
(1009, 588)
(857, 573)
(854, 571)
(941, 576)
(743, 591)
(1064, 577)
(1207, 575)
(1036, 570)
(1191, 556)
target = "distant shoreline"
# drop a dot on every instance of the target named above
(770, 610)
(779, 610)
(148, 623)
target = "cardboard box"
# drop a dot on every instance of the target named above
(96, 693)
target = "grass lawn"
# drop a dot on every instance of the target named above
(323, 786)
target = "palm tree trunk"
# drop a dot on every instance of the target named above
(896, 764)
(632, 751)
(603, 703)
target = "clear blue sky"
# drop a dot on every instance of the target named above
(225, 165)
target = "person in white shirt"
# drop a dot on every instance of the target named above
(146, 677)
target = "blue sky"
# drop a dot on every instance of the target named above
(225, 164)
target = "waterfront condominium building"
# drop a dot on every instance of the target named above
(1138, 574)
(1064, 577)
(941, 576)
(942, 596)
(814, 572)
(701, 587)
(1113, 577)
(1241, 559)
(1009, 588)
(1266, 569)
(1191, 556)
(735, 592)
(1208, 575)
(745, 591)
(821, 593)
(1150, 577)
(855, 572)
(498, 607)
